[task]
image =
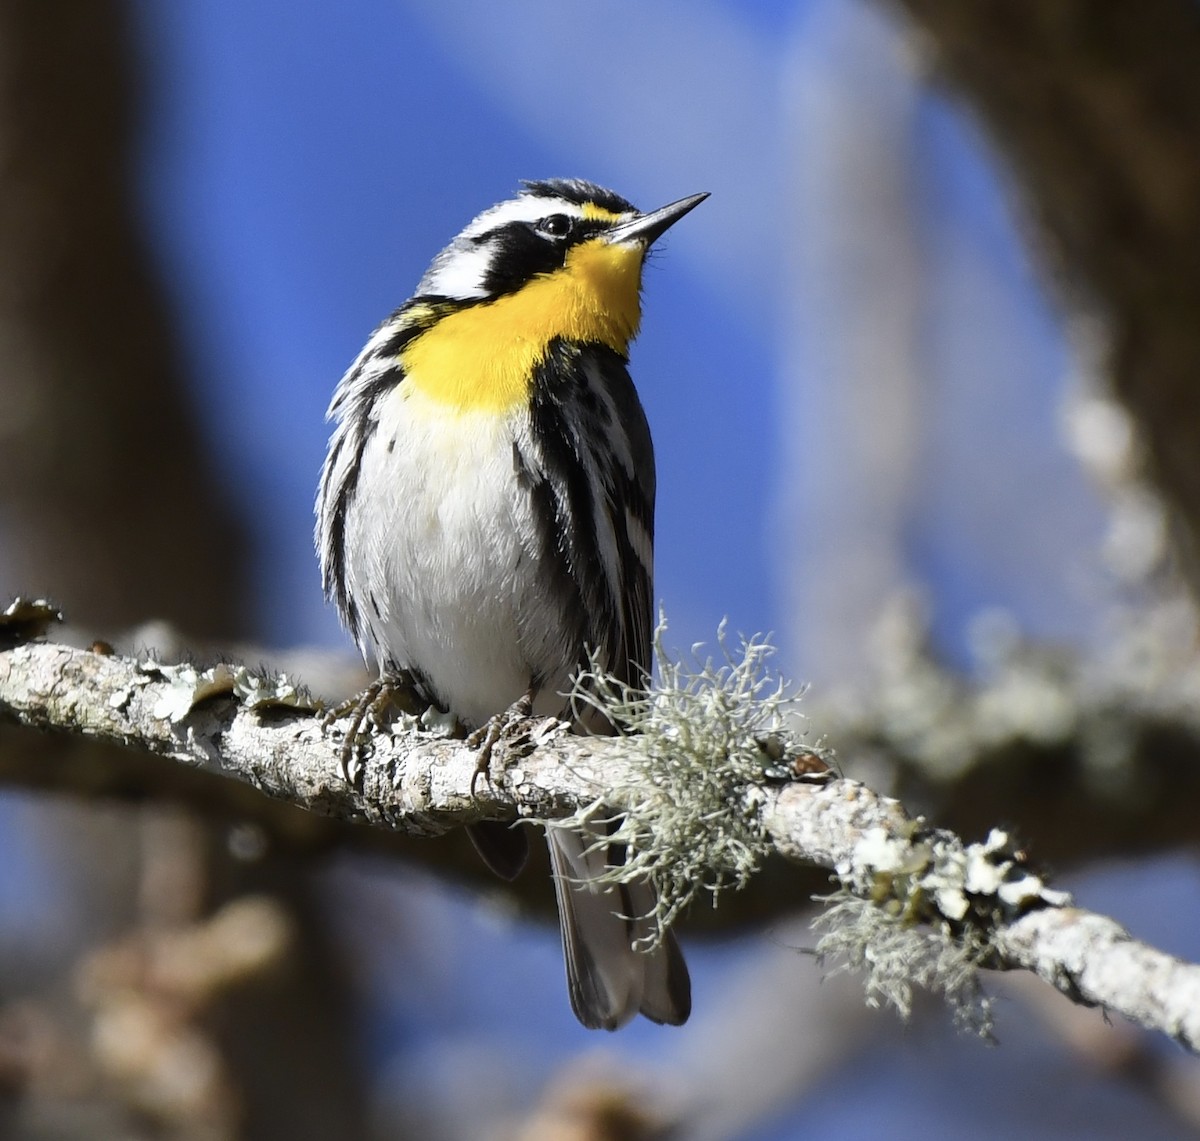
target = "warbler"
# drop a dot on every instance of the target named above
(485, 520)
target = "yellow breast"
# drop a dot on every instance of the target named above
(484, 356)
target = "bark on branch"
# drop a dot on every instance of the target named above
(228, 724)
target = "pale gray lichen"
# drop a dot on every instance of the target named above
(897, 957)
(919, 910)
(697, 747)
(188, 685)
(264, 689)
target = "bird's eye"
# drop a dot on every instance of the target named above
(556, 225)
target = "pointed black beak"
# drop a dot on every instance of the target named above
(646, 229)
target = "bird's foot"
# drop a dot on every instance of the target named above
(514, 727)
(374, 702)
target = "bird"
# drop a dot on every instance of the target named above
(485, 523)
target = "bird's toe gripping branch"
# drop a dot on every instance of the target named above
(515, 727)
(384, 695)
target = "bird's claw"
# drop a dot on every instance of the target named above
(373, 702)
(513, 727)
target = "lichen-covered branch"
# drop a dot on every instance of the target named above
(923, 885)
(1094, 755)
(1093, 958)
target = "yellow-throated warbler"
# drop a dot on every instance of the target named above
(486, 517)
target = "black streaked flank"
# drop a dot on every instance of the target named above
(349, 609)
(564, 444)
(628, 407)
(357, 429)
(554, 561)
(334, 539)
(573, 429)
(358, 420)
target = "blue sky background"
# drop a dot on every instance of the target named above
(853, 375)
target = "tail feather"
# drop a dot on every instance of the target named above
(666, 984)
(608, 978)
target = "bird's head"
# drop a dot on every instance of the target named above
(576, 243)
(561, 262)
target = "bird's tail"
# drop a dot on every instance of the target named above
(609, 978)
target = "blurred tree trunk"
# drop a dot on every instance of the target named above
(1096, 104)
(107, 505)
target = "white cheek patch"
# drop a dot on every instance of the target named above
(457, 272)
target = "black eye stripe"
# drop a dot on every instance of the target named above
(521, 250)
(579, 229)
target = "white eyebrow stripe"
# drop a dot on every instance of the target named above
(527, 208)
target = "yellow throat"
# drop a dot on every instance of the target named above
(483, 357)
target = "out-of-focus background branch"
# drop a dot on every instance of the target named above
(981, 494)
(101, 460)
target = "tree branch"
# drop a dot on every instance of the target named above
(227, 722)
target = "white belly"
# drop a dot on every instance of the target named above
(444, 561)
